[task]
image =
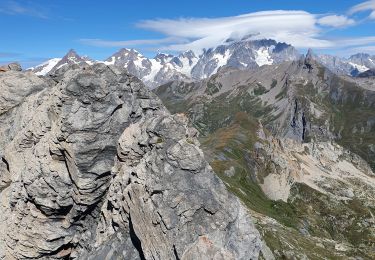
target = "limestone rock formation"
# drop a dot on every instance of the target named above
(94, 167)
(157, 166)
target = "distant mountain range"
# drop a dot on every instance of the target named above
(353, 66)
(187, 65)
(243, 54)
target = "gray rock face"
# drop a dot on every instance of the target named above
(94, 158)
(60, 161)
(298, 128)
(171, 201)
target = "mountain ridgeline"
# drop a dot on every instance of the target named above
(295, 142)
(191, 66)
(187, 65)
(248, 150)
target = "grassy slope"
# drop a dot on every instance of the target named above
(321, 216)
(229, 126)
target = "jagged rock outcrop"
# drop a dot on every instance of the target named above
(11, 66)
(93, 165)
(158, 165)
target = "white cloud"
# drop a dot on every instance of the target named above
(15, 8)
(129, 43)
(336, 21)
(298, 28)
(365, 6)
(358, 41)
(362, 49)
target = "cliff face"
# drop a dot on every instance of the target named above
(93, 166)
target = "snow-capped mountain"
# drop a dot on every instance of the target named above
(45, 67)
(363, 59)
(152, 72)
(69, 59)
(187, 65)
(241, 54)
(54, 64)
(353, 65)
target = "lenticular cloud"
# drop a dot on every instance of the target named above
(296, 27)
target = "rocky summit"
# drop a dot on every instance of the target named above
(93, 166)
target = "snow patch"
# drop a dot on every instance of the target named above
(155, 68)
(138, 61)
(47, 66)
(186, 67)
(112, 62)
(360, 68)
(263, 57)
(221, 59)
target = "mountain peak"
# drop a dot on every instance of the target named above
(71, 53)
(360, 56)
(126, 53)
(188, 54)
(309, 59)
(310, 54)
(161, 55)
(126, 50)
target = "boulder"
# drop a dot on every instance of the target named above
(12, 66)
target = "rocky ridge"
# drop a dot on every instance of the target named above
(295, 142)
(94, 158)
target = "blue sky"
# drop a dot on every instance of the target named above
(33, 31)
